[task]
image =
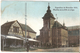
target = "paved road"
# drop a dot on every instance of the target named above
(66, 49)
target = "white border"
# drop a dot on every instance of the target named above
(40, 0)
(32, 0)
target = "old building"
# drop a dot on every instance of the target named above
(73, 35)
(14, 33)
(53, 33)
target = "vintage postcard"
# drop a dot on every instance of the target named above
(40, 26)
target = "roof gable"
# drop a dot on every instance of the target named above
(5, 27)
(57, 24)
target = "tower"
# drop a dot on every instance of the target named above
(48, 21)
(52, 31)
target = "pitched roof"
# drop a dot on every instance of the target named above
(5, 27)
(57, 24)
(28, 28)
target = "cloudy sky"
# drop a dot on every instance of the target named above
(15, 10)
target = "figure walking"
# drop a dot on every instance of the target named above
(27, 45)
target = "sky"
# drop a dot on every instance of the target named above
(15, 10)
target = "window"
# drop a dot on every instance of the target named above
(15, 29)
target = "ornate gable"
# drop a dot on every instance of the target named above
(15, 29)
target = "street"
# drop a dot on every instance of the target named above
(64, 49)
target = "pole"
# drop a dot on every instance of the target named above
(26, 40)
(25, 23)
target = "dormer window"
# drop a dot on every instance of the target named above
(15, 29)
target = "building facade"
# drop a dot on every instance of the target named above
(53, 33)
(15, 33)
(73, 35)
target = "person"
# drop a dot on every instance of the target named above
(27, 45)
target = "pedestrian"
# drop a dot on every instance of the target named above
(27, 45)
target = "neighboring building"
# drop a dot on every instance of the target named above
(73, 35)
(38, 37)
(15, 32)
(53, 33)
